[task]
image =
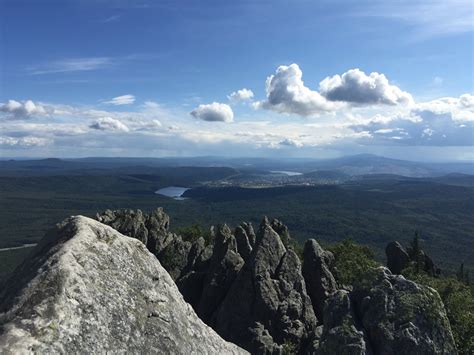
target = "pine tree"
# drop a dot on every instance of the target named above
(460, 274)
(463, 275)
(415, 251)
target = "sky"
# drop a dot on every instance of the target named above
(264, 78)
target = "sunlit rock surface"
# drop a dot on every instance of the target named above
(89, 289)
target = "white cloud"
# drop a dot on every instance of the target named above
(152, 125)
(467, 100)
(446, 121)
(241, 95)
(289, 142)
(112, 18)
(18, 110)
(109, 124)
(354, 86)
(121, 100)
(426, 18)
(215, 112)
(287, 93)
(28, 141)
(461, 109)
(72, 65)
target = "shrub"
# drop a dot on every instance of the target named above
(351, 261)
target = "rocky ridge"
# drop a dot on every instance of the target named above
(252, 288)
(89, 289)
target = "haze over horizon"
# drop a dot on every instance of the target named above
(196, 78)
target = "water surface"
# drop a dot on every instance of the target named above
(175, 192)
(288, 173)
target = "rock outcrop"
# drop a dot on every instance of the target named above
(88, 289)
(255, 292)
(397, 257)
(320, 282)
(401, 316)
(224, 266)
(153, 231)
(341, 332)
(385, 314)
(267, 309)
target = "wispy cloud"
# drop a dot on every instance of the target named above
(113, 18)
(427, 18)
(72, 65)
(121, 100)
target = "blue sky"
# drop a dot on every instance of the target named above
(155, 78)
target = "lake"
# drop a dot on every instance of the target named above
(175, 192)
(288, 173)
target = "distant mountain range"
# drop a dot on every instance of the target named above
(364, 164)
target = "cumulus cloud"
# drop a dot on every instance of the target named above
(447, 121)
(109, 124)
(460, 109)
(288, 142)
(19, 110)
(121, 100)
(214, 112)
(241, 95)
(467, 100)
(354, 86)
(28, 141)
(287, 93)
(152, 125)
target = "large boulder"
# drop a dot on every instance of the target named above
(400, 316)
(320, 282)
(397, 257)
(267, 309)
(89, 289)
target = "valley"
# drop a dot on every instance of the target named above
(328, 205)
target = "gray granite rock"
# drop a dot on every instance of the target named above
(400, 316)
(267, 309)
(89, 289)
(320, 282)
(224, 266)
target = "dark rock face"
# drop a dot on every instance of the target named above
(429, 266)
(250, 233)
(400, 316)
(282, 230)
(267, 305)
(157, 224)
(320, 282)
(252, 289)
(174, 257)
(397, 257)
(223, 269)
(341, 334)
(153, 231)
(128, 222)
(244, 245)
